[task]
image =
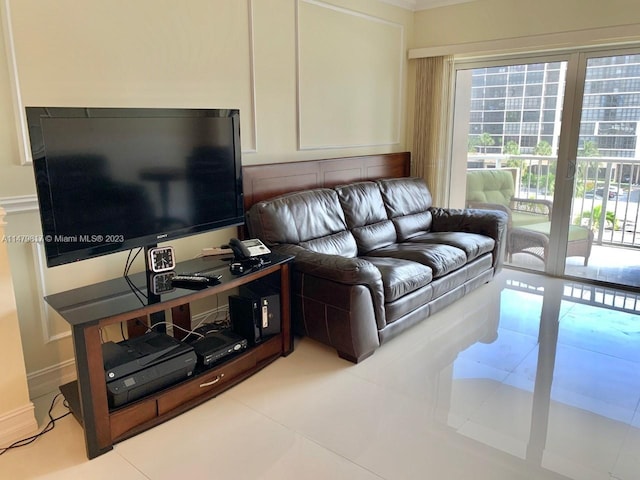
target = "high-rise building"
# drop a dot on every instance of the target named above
(516, 105)
(521, 105)
(611, 105)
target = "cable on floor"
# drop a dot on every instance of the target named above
(48, 427)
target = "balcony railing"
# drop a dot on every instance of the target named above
(602, 184)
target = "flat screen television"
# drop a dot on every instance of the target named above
(113, 179)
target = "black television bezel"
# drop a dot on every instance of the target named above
(43, 189)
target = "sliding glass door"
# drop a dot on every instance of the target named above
(553, 141)
(507, 132)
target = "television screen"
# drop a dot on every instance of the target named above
(112, 179)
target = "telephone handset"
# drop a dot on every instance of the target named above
(244, 249)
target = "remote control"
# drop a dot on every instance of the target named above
(189, 281)
(198, 278)
(213, 279)
(190, 278)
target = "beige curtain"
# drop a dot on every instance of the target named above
(430, 158)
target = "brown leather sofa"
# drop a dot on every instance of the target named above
(374, 258)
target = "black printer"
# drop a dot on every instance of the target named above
(142, 365)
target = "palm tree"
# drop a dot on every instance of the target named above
(511, 148)
(543, 148)
(595, 218)
(485, 140)
(589, 149)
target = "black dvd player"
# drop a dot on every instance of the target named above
(142, 365)
(215, 346)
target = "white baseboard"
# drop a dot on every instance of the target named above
(49, 379)
(17, 424)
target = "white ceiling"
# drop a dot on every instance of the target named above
(416, 5)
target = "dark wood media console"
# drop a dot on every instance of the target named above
(91, 308)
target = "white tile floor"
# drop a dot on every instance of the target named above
(607, 263)
(493, 387)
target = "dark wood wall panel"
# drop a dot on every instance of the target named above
(267, 181)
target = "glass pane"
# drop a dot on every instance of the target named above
(607, 185)
(509, 118)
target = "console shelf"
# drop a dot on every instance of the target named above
(89, 309)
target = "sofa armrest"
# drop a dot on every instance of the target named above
(339, 315)
(492, 223)
(350, 271)
(343, 270)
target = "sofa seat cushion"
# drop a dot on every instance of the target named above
(400, 277)
(473, 244)
(442, 259)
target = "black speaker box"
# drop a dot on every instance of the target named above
(255, 315)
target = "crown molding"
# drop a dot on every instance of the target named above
(406, 4)
(415, 5)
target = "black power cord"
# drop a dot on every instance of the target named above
(48, 427)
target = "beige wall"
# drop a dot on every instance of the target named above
(486, 20)
(206, 53)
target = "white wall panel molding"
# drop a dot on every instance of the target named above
(53, 326)
(18, 107)
(152, 59)
(350, 77)
(19, 204)
(252, 82)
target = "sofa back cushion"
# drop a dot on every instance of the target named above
(366, 216)
(312, 219)
(407, 201)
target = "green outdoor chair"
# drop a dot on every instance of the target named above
(529, 219)
(495, 189)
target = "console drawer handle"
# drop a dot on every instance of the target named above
(215, 380)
